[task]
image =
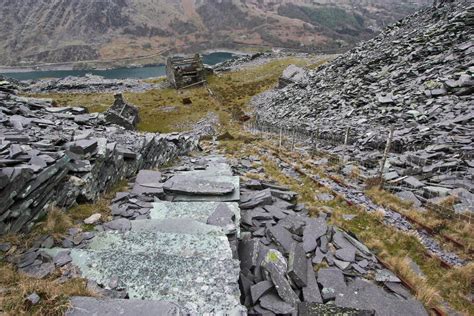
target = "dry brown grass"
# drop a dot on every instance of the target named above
(54, 296)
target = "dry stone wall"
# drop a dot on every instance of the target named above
(58, 156)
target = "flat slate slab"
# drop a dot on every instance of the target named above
(199, 211)
(209, 245)
(199, 285)
(365, 295)
(173, 225)
(232, 196)
(192, 185)
(87, 306)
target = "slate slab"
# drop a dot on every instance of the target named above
(260, 289)
(365, 295)
(275, 264)
(332, 281)
(282, 237)
(275, 304)
(315, 228)
(197, 186)
(297, 265)
(311, 291)
(316, 309)
(86, 306)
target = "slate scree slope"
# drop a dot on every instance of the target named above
(417, 77)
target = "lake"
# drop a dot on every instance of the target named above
(118, 73)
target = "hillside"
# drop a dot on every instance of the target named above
(417, 78)
(64, 31)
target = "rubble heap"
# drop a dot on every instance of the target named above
(63, 155)
(122, 113)
(282, 246)
(416, 76)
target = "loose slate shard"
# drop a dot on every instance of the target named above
(260, 289)
(85, 306)
(197, 186)
(275, 304)
(282, 237)
(332, 281)
(248, 253)
(315, 228)
(276, 266)
(311, 293)
(297, 265)
(255, 199)
(148, 183)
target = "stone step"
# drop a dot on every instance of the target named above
(199, 285)
(86, 306)
(191, 177)
(198, 211)
(208, 245)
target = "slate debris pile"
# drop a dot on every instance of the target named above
(292, 263)
(416, 76)
(63, 155)
(87, 84)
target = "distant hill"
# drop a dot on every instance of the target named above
(37, 31)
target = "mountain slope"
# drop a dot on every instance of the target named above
(73, 30)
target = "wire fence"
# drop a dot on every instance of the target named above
(407, 169)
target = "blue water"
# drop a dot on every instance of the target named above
(118, 73)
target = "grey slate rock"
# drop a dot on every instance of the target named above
(222, 216)
(197, 186)
(260, 289)
(4, 247)
(259, 198)
(62, 258)
(248, 253)
(317, 309)
(33, 298)
(332, 281)
(120, 224)
(346, 254)
(282, 237)
(365, 295)
(275, 304)
(311, 293)
(275, 264)
(315, 228)
(86, 306)
(297, 265)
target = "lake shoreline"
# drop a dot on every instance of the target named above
(69, 66)
(210, 57)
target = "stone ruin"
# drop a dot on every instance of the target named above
(185, 71)
(122, 113)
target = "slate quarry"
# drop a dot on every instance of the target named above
(58, 156)
(417, 76)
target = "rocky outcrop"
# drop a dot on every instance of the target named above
(64, 155)
(416, 77)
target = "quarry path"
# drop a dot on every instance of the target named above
(194, 239)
